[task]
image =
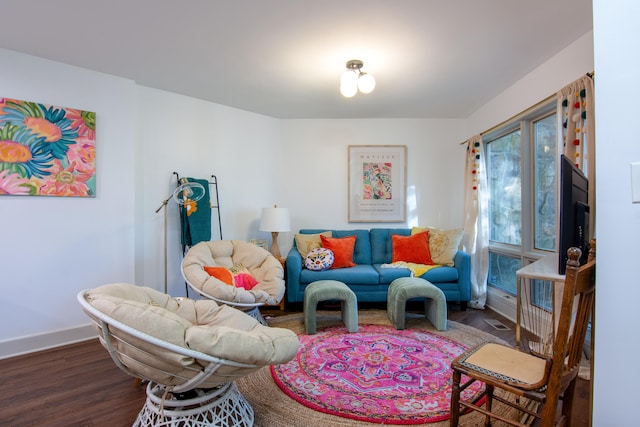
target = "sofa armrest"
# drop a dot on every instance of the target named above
(294, 268)
(462, 263)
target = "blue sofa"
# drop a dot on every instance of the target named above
(367, 279)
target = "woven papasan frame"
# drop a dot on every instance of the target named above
(221, 406)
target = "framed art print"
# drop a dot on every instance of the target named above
(377, 183)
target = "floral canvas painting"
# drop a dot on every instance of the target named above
(46, 150)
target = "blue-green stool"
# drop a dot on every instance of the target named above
(406, 288)
(323, 290)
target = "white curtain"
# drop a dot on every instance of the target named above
(576, 114)
(476, 220)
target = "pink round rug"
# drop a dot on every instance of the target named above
(379, 374)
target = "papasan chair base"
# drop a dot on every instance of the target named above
(220, 406)
(256, 314)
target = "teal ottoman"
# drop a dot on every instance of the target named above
(323, 290)
(406, 288)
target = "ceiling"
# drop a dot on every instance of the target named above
(284, 58)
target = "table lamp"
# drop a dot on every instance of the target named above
(274, 220)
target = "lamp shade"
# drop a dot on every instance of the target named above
(275, 219)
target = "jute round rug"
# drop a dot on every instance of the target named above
(274, 408)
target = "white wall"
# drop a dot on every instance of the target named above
(569, 64)
(199, 139)
(314, 183)
(52, 247)
(616, 91)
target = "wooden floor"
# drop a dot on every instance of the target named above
(79, 385)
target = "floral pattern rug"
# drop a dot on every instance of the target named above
(378, 375)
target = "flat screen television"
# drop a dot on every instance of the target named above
(574, 212)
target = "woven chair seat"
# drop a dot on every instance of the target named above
(506, 364)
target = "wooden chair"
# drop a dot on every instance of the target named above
(538, 386)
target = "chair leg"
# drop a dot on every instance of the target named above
(489, 404)
(567, 401)
(455, 400)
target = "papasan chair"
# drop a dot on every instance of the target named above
(190, 352)
(214, 269)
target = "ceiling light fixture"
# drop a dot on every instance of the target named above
(354, 79)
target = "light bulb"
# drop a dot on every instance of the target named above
(366, 83)
(348, 84)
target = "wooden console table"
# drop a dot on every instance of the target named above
(539, 321)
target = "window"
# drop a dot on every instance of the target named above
(521, 174)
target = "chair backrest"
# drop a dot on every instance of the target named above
(182, 342)
(142, 355)
(575, 314)
(264, 267)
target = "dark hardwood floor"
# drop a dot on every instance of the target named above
(79, 385)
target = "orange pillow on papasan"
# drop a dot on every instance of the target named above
(414, 248)
(238, 276)
(342, 248)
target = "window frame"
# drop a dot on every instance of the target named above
(498, 298)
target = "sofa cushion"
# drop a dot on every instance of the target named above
(381, 248)
(319, 259)
(437, 275)
(306, 242)
(441, 275)
(443, 243)
(342, 248)
(414, 248)
(358, 275)
(362, 249)
(388, 275)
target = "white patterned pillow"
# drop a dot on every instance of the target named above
(319, 259)
(443, 244)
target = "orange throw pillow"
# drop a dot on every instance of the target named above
(220, 273)
(414, 248)
(237, 276)
(342, 248)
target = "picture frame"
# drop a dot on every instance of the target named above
(377, 186)
(260, 242)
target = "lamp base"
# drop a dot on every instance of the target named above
(275, 250)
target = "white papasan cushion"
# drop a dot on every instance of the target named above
(200, 325)
(232, 334)
(151, 312)
(266, 269)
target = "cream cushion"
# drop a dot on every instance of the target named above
(308, 242)
(263, 266)
(443, 244)
(201, 325)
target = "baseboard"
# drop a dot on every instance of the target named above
(33, 343)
